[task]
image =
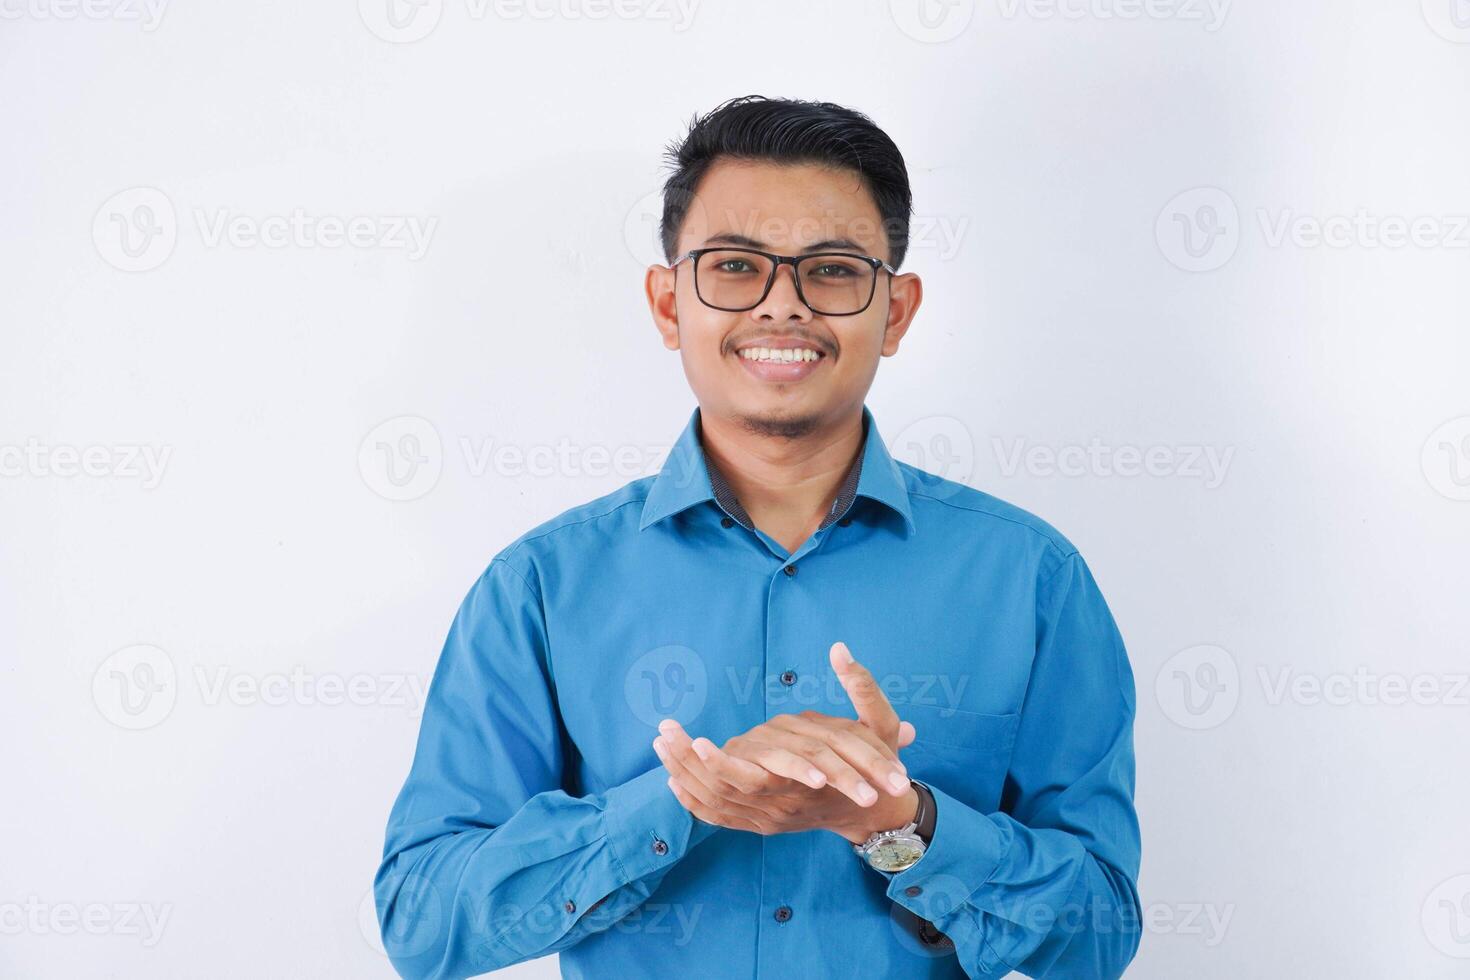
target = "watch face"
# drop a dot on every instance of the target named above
(896, 853)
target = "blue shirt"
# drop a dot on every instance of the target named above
(536, 817)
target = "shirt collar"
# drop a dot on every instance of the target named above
(687, 479)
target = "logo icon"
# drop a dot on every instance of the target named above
(642, 224)
(1199, 230)
(932, 21)
(913, 923)
(1450, 19)
(136, 687)
(668, 682)
(401, 21)
(135, 230)
(402, 458)
(1445, 459)
(1446, 917)
(1198, 687)
(942, 447)
(419, 916)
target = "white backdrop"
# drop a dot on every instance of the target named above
(308, 310)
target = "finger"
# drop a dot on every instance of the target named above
(692, 783)
(690, 771)
(742, 775)
(866, 696)
(906, 734)
(816, 752)
(711, 799)
(675, 750)
(776, 759)
(677, 740)
(851, 741)
(707, 814)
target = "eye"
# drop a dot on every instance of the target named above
(833, 270)
(734, 266)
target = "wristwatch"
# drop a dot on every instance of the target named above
(898, 850)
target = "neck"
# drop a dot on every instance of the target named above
(786, 484)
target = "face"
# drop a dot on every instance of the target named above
(788, 210)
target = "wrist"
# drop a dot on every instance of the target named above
(889, 813)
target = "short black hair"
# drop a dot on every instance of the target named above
(791, 131)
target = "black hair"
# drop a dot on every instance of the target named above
(791, 131)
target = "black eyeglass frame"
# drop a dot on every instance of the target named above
(776, 262)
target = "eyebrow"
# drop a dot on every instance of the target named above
(743, 241)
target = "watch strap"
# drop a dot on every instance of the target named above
(927, 816)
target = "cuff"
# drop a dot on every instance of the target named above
(647, 827)
(966, 850)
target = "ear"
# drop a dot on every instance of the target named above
(905, 294)
(659, 284)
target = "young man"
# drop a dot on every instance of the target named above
(790, 708)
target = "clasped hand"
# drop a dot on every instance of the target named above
(802, 771)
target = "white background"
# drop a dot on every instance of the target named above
(1286, 832)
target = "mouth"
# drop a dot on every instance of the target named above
(781, 364)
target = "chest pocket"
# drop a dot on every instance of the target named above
(964, 753)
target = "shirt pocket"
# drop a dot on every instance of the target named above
(964, 753)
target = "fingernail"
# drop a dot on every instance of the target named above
(843, 654)
(866, 793)
(817, 776)
(663, 726)
(701, 751)
(899, 783)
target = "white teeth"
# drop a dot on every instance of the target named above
(784, 354)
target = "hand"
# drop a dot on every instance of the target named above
(800, 772)
(729, 788)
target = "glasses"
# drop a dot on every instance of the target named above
(828, 283)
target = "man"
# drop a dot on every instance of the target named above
(790, 708)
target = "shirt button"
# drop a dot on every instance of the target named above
(788, 677)
(659, 847)
(727, 522)
(913, 890)
(783, 913)
(845, 521)
(789, 570)
(570, 906)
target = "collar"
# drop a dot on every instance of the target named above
(687, 478)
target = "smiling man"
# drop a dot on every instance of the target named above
(790, 707)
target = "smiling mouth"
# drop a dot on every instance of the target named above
(779, 355)
(780, 365)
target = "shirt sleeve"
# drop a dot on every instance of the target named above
(488, 861)
(1047, 886)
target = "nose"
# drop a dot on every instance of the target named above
(782, 302)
